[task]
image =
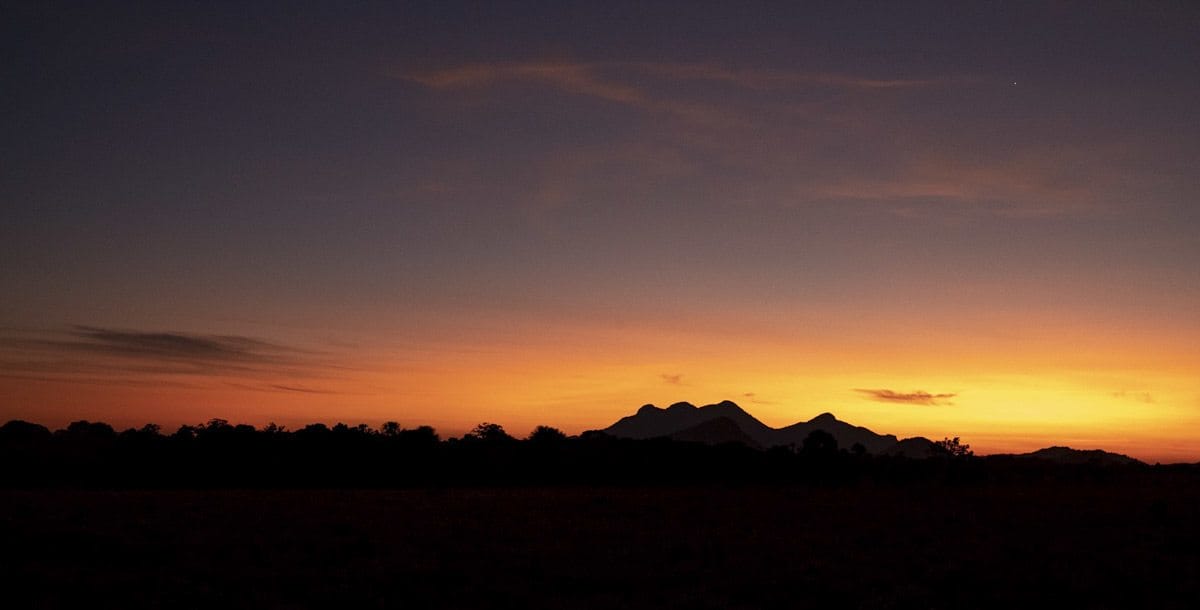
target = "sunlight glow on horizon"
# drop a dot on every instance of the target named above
(1120, 399)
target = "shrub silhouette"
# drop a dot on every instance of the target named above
(546, 435)
(219, 454)
(488, 433)
(17, 431)
(952, 447)
(95, 431)
(819, 443)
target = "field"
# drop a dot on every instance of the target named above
(1079, 546)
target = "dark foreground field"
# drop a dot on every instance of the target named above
(1073, 546)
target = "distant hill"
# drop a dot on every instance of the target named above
(686, 419)
(715, 432)
(653, 422)
(915, 447)
(847, 435)
(1067, 455)
(726, 422)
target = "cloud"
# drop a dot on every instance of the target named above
(288, 388)
(90, 354)
(801, 138)
(1138, 396)
(772, 79)
(675, 379)
(1031, 183)
(282, 388)
(580, 78)
(176, 346)
(614, 82)
(753, 398)
(604, 79)
(916, 397)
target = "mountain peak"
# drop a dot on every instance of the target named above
(825, 417)
(1068, 455)
(716, 431)
(685, 421)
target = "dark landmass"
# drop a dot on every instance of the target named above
(222, 515)
(715, 432)
(915, 447)
(678, 445)
(685, 421)
(1077, 545)
(1067, 455)
(651, 422)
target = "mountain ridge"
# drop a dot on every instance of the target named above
(726, 422)
(651, 421)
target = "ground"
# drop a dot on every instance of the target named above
(1078, 545)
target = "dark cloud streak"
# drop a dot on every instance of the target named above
(178, 346)
(673, 379)
(916, 397)
(89, 354)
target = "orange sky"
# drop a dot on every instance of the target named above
(1037, 383)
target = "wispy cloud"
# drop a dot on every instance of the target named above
(177, 346)
(916, 397)
(282, 388)
(623, 82)
(672, 379)
(95, 355)
(772, 79)
(1145, 397)
(289, 388)
(581, 78)
(800, 138)
(753, 398)
(603, 79)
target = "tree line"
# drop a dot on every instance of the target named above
(220, 454)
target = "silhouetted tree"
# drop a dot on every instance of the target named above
(487, 432)
(91, 430)
(148, 432)
(17, 431)
(313, 431)
(545, 435)
(219, 454)
(420, 436)
(819, 442)
(952, 447)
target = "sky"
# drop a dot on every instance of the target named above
(940, 219)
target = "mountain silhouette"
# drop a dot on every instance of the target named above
(915, 447)
(715, 432)
(653, 422)
(1067, 455)
(847, 435)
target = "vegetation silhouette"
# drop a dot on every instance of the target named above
(220, 454)
(229, 515)
(952, 448)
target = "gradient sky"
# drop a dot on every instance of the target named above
(940, 219)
